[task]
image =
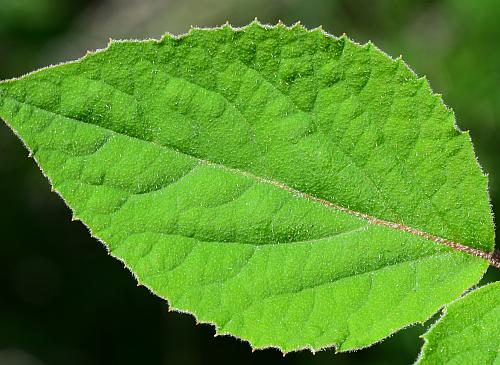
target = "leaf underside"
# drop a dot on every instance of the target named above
(212, 165)
(468, 333)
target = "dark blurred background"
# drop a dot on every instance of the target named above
(63, 300)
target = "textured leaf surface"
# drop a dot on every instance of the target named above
(469, 331)
(287, 186)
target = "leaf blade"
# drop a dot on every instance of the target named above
(109, 167)
(467, 331)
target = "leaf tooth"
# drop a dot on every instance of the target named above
(368, 46)
(400, 64)
(438, 98)
(319, 29)
(298, 25)
(166, 36)
(255, 24)
(422, 80)
(426, 84)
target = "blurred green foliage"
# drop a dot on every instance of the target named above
(64, 301)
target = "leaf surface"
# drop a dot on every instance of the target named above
(468, 332)
(295, 189)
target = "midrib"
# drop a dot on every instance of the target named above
(493, 259)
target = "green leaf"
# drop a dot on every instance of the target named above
(295, 189)
(468, 332)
